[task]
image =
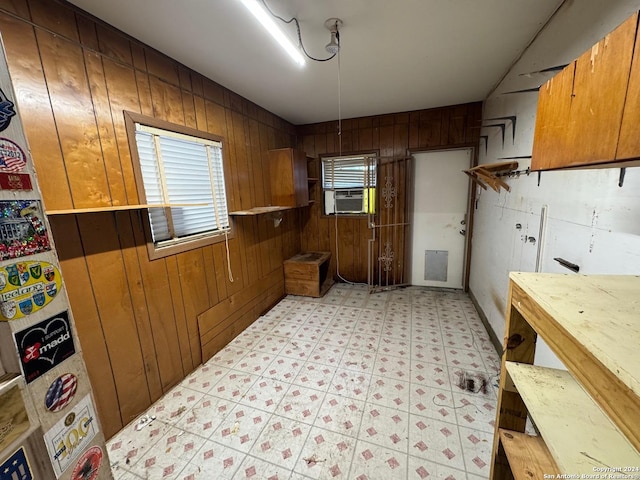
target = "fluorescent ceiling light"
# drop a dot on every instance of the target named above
(267, 22)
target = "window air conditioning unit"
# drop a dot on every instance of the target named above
(349, 201)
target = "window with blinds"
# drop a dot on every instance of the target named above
(343, 173)
(349, 184)
(185, 171)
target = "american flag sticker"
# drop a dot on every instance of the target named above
(61, 392)
(12, 157)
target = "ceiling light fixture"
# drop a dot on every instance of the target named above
(333, 24)
(267, 22)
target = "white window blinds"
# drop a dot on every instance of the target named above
(348, 172)
(180, 169)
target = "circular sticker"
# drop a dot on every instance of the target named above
(12, 158)
(88, 465)
(61, 392)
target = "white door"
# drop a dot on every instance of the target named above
(439, 215)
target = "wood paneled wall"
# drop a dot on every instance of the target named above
(138, 319)
(388, 135)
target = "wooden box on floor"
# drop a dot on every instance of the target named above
(307, 274)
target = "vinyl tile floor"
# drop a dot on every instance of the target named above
(350, 386)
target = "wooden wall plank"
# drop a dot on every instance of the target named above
(209, 269)
(180, 317)
(124, 94)
(77, 282)
(242, 173)
(193, 283)
(201, 113)
(160, 308)
(246, 228)
(108, 278)
(221, 269)
(108, 143)
(87, 32)
(139, 60)
(68, 87)
(161, 67)
(114, 45)
(35, 110)
(17, 7)
(189, 109)
(257, 162)
(47, 14)
(166, 101)
(139, 302)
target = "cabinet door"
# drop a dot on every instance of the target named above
(580, 109)
(550, 142)
(629, 142)
(288, 171)
(599, 91)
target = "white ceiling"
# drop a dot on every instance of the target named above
(396, 56)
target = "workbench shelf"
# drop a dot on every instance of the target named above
(588, 415)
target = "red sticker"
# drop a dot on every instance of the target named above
(15, 181)
(88, 465)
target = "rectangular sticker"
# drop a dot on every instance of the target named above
(44, 345)
(16, 467)
(71, 435)
(15, 181)
(22, 229)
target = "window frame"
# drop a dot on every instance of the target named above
(365, 154)
(200, 240)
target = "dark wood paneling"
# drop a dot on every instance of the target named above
(387, 135)
(137, 319)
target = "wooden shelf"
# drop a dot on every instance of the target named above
(259, 211)
(119, 208)
(528, 455)
(485, 174)
(8, 381)
(577, 433)
(312, 180)
(587, 415)
(591, 324)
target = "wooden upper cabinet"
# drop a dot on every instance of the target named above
(629, 143)
(288, 172)
(580, 110)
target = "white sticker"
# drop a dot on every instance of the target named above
(71, 435)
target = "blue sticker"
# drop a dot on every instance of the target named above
(7, 111)
(16, 467)
(39, 299)
(26, 306)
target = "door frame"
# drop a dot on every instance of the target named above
(471, 195)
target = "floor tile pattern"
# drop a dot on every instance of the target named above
(350, 386)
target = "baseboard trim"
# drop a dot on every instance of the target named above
(497, 344)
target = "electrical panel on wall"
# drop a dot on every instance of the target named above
(48, 423)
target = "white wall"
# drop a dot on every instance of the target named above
(591, 221)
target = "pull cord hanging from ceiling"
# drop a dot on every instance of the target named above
(334, 45)
(340, 155)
